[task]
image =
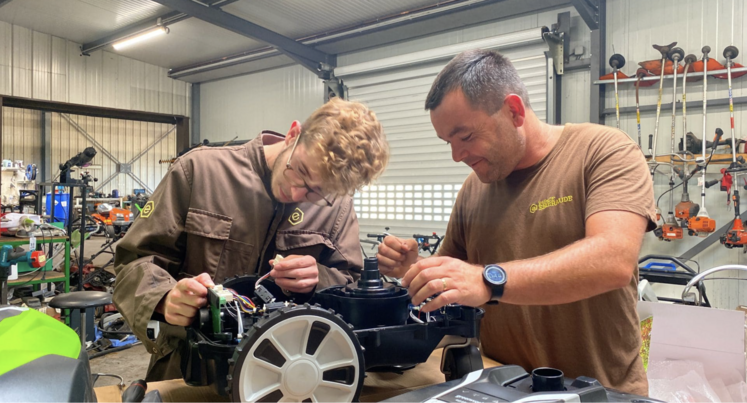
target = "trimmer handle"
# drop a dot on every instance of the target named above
(679, 173)
(718, 135)
(711, 183)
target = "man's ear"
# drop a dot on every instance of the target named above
(516, 109)
(294, 131)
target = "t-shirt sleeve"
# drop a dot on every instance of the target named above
(617, 178)
(453, 244)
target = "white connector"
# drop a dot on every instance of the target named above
(223, 293)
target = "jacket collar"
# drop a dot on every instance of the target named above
(256, 154)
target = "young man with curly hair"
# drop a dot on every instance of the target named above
(227, 211)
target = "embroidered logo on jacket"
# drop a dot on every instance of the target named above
(147, 209)
(550, 202)
(296, 217)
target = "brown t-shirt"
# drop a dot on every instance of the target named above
(539, 210)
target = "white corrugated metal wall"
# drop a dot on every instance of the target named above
(41, 66)
(632, 27)
(270, 100)
(418, 189)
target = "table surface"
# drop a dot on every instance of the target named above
(377, 386)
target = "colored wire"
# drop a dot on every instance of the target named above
(256, 285)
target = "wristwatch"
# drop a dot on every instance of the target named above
(495, 278)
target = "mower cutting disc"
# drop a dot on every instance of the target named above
(299, 354)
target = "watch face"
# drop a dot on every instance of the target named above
(495, 274)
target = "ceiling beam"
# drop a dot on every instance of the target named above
(412, 24)
(139, 27)
(589, 12)
(307, 56)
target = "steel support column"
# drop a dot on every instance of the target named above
(182, 134)
(590, 11)
(45, 168)
(195, 99)
(598, 60)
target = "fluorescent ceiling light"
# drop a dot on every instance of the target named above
(139, 38)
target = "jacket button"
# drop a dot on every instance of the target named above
(155, 350)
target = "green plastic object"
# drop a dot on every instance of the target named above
(31, 335)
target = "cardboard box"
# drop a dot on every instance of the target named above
(715, 337)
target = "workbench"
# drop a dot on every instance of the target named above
(377, 386)
(46, 276)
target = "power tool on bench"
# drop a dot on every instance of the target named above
(10, 256)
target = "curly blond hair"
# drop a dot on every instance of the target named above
(348, 142)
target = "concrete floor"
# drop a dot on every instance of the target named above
(130, 364)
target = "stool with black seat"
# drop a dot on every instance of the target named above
(85, 302)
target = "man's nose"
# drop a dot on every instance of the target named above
(457, 153)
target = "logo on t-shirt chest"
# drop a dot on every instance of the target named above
(549, 202)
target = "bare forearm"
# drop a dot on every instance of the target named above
(589, 267)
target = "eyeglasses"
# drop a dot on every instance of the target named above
(297, 181)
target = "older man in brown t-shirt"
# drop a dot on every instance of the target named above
(561, 210)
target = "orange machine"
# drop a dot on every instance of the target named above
(736, 236)
(671, 231)
(115, 218)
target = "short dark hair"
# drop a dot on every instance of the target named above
(485, 77)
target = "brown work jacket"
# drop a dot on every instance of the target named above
(214, 212)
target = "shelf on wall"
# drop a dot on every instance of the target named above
(690, 74)
(718, 159)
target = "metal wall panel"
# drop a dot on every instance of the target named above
(244, 106)
(93, 77)
(575, 97)
(37, 65)
(123, 139)
(124, 83)
(110, 73)
(632, 27)
(6, 58)
(22, 61)
(59, 70)
(42, 66)
(76, 74)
